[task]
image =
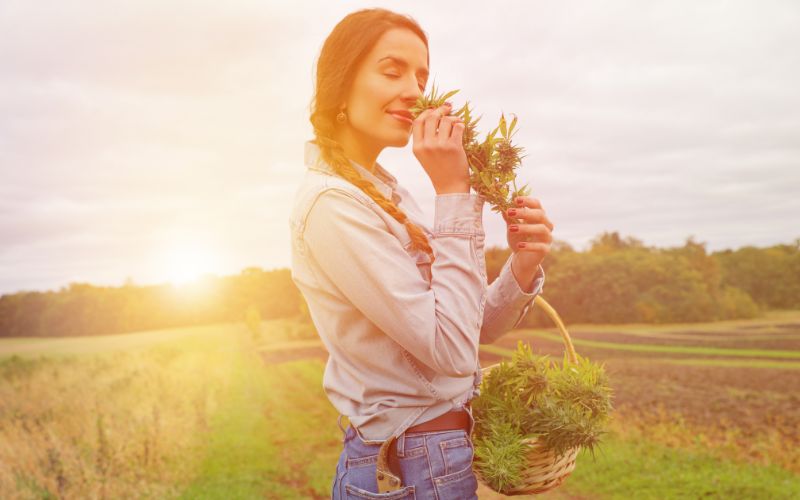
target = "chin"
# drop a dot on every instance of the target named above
(398, 140)
(394, 138)
(399, 143)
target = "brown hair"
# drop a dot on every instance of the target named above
(344, 49)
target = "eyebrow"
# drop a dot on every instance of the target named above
(402, 62)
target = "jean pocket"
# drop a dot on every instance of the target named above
(457, 453)
(337, 476)
(360, 482)
(461, 484)
(459, 480)
(403, 493)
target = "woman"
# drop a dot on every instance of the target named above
(401, 306)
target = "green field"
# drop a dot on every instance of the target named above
(211, 412)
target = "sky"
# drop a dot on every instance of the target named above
(153, 141)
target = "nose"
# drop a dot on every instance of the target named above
(411, 92)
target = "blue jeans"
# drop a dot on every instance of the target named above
(434, 465)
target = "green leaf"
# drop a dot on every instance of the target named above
(449, 94)
(513, 122)
(486, 179)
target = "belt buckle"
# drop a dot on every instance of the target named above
(387, 480)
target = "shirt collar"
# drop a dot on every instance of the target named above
(382, 179)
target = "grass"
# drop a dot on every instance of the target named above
(187, 413)
(733, 337)
(769, 319)
(289, 345)
(108, 423)
(238, 460)
(261, 431)
(748, 363)
(276, 436)
(300, 464)
(280, 458)
(637, 468)
(742, 363)
(664, 349)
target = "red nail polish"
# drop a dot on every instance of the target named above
(513, 228)
(519, 201)
(520, 245)
(512, 211)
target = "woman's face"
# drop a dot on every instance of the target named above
(383, 84)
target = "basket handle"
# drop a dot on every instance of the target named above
(548, 309)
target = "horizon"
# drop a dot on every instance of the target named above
(197, 280)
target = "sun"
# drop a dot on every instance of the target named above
(185, 264)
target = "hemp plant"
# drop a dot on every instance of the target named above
(562, 406)
(493, 161)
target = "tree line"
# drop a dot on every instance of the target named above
(620, 280)
(616, 280)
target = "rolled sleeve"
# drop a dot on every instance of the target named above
(507, 303)
(458, 213)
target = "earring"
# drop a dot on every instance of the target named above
(341, 117)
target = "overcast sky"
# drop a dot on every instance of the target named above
(158, 139)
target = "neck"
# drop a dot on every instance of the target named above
(358, 148)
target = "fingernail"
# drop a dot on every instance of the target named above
(512, 211)
(519, 201)
(520, 245)
(513, 228)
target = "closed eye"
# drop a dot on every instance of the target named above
(393, 77)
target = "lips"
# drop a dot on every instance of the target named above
(402, 115)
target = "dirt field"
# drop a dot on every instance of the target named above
(749, 410)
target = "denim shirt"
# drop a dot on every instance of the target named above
(402, 334)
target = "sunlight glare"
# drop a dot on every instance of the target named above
(185, 264)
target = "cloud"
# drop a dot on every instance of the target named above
(127, 126)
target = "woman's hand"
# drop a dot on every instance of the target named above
(531, 239)
(438, 147)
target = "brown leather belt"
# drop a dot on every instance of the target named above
(452, 420)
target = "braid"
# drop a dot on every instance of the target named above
(340, 58)
(333, 153)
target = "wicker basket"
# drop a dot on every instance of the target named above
(543, 469)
